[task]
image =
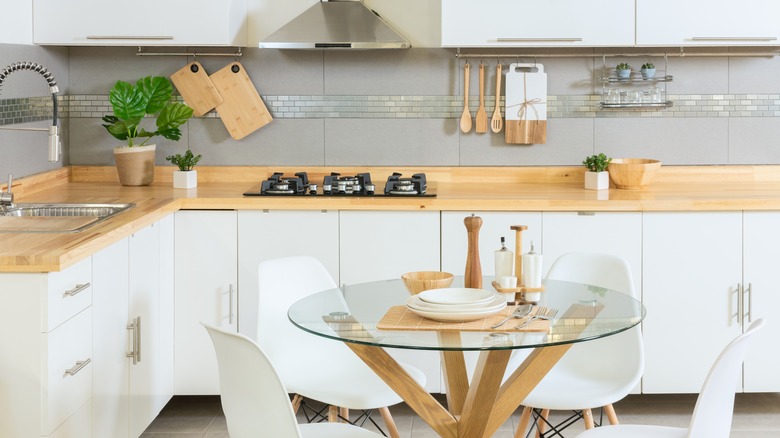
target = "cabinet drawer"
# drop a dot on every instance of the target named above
(67, 383)
(79, 425)
(69, 292)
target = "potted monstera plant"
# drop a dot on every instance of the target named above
(131, 103)
(597, 176)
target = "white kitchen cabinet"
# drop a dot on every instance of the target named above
(377, 245)
(167, 308)
(268, 234)
(16, 22)
(206, 290)
(761, 277)
(692, 268)
(144, 23)
(524, 23)
(704, 23)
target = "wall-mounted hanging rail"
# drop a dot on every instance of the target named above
(236, 54)
(680, 54)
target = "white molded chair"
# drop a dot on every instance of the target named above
(595, 373)
(311, 366)
(714, 408)
(254, 400)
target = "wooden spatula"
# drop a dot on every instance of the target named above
(481, 117)
(465, 119)
(496, 122)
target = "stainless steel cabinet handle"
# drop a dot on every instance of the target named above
(76, 290)
(80, 364)
(739, 304)
(230, 305)
(756, 38)
(749, 292)
(539, 40)
(129, 37)
(135, 353)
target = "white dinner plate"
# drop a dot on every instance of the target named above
(455, 316)
(456, 295)
(497, 302)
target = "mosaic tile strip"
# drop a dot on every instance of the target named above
(421, 107)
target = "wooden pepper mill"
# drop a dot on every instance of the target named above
(473, 267)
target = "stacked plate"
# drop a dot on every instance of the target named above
(456, 304)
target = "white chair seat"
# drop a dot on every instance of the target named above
(334, 430)
(635, 431)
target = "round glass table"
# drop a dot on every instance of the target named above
(358, 315)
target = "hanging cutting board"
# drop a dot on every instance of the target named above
(526, 104)
(196, 88)
(242, 110)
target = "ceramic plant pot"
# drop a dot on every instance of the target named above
(648, 73)
(135, 165)
(623, 74)
(596, 180)
(185, 179)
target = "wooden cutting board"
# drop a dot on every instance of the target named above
(242, 110)
(526, 104)
(196, 88)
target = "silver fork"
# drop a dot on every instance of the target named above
(521, 312)
(541, 313)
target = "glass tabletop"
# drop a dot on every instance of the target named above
(351, 314)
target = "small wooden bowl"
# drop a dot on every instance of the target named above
(419, 281)
(632, 173)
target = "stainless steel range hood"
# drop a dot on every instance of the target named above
(341, 24)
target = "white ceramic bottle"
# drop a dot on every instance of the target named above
(505, 261)
(532, 273)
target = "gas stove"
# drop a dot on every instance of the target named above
(336, 185)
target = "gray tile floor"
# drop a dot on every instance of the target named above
(755, 416)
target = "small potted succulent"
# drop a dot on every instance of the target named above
(623, 70)
(597, 177)
(648, 70)
(185, 177)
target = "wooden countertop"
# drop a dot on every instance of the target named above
(675, 188)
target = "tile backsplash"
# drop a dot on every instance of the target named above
(403, 107)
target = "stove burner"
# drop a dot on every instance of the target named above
(416, 185)
(278, 184)
(360, 184)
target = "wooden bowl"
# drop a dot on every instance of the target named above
(632, 173)
(419, 281)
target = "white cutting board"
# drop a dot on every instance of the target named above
(526, 103)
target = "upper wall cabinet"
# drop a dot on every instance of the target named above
(524, 23)
(142, 23)
(707, 23)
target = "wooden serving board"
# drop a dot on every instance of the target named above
(48, 224)
(401, 318)
(526, 104)
(242, 110)
(196, 88)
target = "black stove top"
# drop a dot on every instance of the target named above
(336, 185)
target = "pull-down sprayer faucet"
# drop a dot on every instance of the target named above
(54, 136)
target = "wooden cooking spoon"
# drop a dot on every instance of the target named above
(481, 117)
(496, 122)
(465, 119)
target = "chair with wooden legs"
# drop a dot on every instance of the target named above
(714, 409)
(253, 398)
(310, 366)
(592, 374)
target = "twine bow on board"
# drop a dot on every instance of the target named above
(522, 112)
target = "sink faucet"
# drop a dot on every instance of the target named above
(54, 135)
(7, 197)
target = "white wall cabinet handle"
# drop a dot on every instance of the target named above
(72, 371)
(722, 38)
(129, 37)
(135, 353)
(76, 290)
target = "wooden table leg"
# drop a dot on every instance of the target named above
(456, 381)
(482, 392)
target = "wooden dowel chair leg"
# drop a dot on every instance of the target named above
(296, 402)
(333, 414)
(541, 422)
(522, 426)
(611, 415)
(344, 412)
(392, 429)
(587, 415)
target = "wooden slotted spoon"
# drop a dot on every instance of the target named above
(496, 122)
(481, 113)
(465, 119)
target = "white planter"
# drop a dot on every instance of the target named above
(596, 180)
(185, 179)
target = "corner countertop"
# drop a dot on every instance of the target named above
(474, 189)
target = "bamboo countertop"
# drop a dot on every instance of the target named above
(675, 188)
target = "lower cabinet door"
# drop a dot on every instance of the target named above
(79, 425)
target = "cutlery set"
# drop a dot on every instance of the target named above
(522, 311)
(481, 119)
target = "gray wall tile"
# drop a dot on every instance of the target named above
(754, 140)
(385, 142)
(94, 70)
(754, 75)
(673, 141)
(696, 75)
(568, 142)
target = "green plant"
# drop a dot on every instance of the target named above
(149, 96)
(648, 66)
(185, 162)
(623, 66)
(597, 163)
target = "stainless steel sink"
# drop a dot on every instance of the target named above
(90, 213)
